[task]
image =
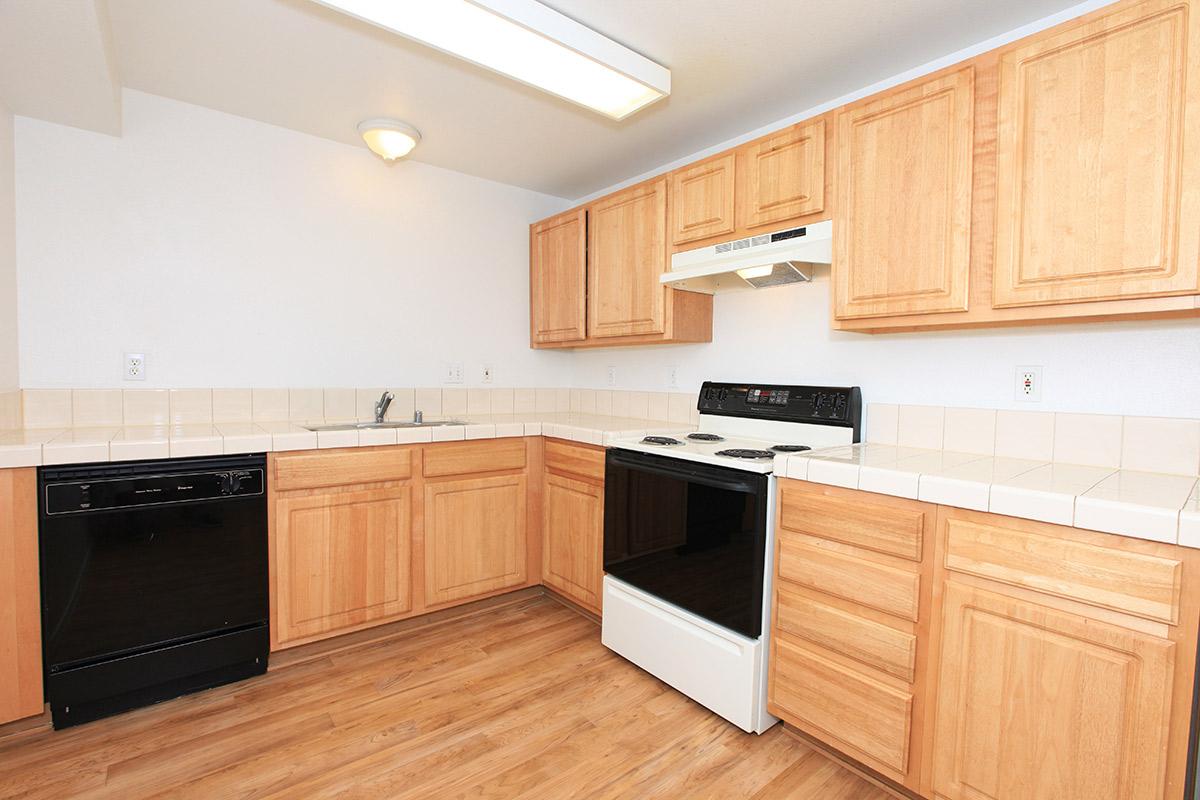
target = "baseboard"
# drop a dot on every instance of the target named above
(571, 604)
(24, 727)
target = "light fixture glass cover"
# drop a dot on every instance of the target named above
(390, 139)
(528, 41)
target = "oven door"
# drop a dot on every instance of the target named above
(688, 533)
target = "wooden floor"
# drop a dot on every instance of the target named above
(519, 701)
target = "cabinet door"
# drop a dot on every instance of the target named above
(341, 559)
(1096, 144)
(558, 278)
(474, 537)
(902, 217)
(626, 254)
(1034, 702)
(573, 530)
(21, 619)
(782, 176)
(702, 200)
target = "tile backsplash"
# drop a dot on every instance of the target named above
(63, 408)
(1099, 440)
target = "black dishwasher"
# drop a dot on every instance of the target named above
(154, 581)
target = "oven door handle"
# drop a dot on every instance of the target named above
(729, 478)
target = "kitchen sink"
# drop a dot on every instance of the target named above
(368, 426)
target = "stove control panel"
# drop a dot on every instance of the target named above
(815, 405)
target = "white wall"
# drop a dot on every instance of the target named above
(8, 258)
(783, 335)
(234, 253)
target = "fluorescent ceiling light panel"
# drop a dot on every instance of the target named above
(525, 40)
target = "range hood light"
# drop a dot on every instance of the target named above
(756, 272)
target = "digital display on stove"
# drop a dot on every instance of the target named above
(770, 397)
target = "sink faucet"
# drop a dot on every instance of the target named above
(381, 405)
(418, 417)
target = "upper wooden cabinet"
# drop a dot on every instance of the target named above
(1096, 145)
(702, 200)
(627, 252)
(782, 176)
(594, 276)
(558, 278)
(902, 209)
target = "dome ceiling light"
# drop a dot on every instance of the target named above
(390, 139)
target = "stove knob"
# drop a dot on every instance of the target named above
(225, 483)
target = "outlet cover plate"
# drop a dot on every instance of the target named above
(1027, 384)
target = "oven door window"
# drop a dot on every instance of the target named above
(691, 534)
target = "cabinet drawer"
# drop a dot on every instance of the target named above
(313, 470)
(1140, 584)
(460, 458)
(845, 708)
(887, 525)
(572, 459)
(878, 586)
(867, 641)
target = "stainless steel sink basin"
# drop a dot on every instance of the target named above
(366, 426)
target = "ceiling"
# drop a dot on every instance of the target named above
(736, 66)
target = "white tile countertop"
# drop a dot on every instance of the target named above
(1160, 506)
(78, 445)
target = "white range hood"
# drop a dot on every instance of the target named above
(756, 262)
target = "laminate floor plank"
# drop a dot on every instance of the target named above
(516, 702)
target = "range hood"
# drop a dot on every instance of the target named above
(756, 262)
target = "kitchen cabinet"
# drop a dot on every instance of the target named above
(558, 278)
(1065, 661)
(702, 200)
(850, 619)
(619, 300)
(781, 177)
(475, 537)
(573, 522)
(340, 559)
(902, 209)
(20, 599)
(1092, 159)
(966, 655)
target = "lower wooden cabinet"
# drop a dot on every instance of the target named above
(20, 600)
(340, 559)
(475, 535)
(1012, 660)
(1035, 702)
(573, 522)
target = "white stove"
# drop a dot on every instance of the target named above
(689, 538)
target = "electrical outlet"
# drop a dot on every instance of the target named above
(1029, 384)
(673, 377)
(454, 372)
(488, 373)
(135, 366)
(612, 376)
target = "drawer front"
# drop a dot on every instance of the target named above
(585, 462)
(477, 455)
(878, 586)
(886, 525)
(313, 470)
(867, 641)
(1140, 584)
(844, 708)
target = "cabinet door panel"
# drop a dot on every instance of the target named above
(782, 176)
(573, 531)
(1092, 160)
(702, 200)
(902, 222)
(1034, 702)
(558, 277)
(474, 537)
(341, 560)
(626, 254)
